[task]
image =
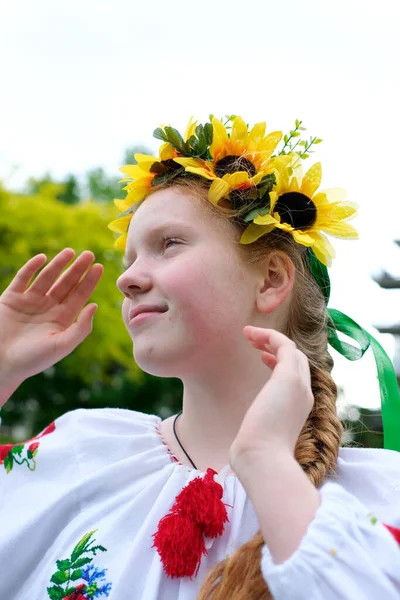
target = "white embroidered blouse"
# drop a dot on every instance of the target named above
(80, 502)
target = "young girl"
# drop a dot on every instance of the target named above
(246, 493)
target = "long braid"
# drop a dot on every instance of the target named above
(239, 576)
(318, 444)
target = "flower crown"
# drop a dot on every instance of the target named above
(247, 169)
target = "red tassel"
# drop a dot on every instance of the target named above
(180, 544)
(394, 531)
(198, 511)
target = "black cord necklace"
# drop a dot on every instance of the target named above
(177, 439)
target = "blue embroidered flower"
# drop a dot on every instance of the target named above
(92, 590)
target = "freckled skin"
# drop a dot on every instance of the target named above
(209, 293)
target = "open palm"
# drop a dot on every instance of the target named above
(37, 323)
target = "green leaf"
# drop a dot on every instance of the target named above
(56, 592)
(76, 575)
(82, 545)
(264, 192)
(296, 134)
(251, 215)
(318, 141)
(17, 450)
(159, 134)
(174, 138)
(191, 140)
(304, 155)
(208, 133)
(199, 131)
(60, 577)
(29, 453)
(62, 565)
(99, 547)
(265, 210)
(81, 562)
(8, 463)
(201, 146)
(286, 138)
(269, 180)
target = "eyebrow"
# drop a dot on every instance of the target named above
(153, 232)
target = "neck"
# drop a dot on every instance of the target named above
(213, 410)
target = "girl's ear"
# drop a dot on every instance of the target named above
(276, 281)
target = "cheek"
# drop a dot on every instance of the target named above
(125, 309)
(206, 296)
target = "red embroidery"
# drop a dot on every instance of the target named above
(172, 456)
(394, 531)
(10, 452)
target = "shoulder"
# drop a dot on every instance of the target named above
(373, 476)
(111, 433)
(107, 418)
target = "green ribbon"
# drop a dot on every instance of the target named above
(389, 389)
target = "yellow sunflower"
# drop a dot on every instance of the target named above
(139, 178)
(297, 207)
(238, 161)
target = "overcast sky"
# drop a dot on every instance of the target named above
(83, 80)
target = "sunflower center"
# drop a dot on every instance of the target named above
(297, 209)
(232, 164)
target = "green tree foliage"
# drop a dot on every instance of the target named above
(68, 192)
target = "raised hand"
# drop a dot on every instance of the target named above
(37, 321)
(278, 413)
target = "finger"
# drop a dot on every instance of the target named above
(275, 343)
(71, 277)
(69, 339)
(50, 273)
(80, 295)
(274, 339)
(26, 272)
(269, 360)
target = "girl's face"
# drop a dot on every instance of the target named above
(196, 275)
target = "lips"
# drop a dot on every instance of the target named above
(141, 308)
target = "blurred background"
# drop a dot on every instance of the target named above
(85, 83)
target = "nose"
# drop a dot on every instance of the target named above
(133, 281)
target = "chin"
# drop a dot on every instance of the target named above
(153, 364)
(165, 362)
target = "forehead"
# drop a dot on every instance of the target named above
(164, 208)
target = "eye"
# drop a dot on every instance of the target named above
(165, 241)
